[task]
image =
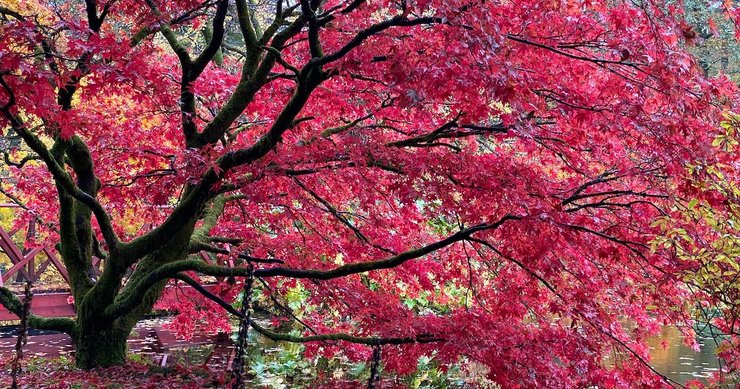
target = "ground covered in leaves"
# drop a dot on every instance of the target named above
(279, 373)
(60, 373)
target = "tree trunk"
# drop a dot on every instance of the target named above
(101, 341)
(99, 345)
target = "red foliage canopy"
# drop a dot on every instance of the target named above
(502, 160)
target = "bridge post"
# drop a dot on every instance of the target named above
(31, 274)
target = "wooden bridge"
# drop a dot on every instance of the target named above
(29, 263)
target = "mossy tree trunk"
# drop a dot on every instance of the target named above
(100, 336)
(99, 344)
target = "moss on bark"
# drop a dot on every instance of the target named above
(99, 345)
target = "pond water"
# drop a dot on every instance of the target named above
(669, 354)
(679, 362)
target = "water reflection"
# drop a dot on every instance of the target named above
(679, 362)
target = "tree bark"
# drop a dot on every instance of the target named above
(99, 344)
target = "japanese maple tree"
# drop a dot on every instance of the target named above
(503, 160)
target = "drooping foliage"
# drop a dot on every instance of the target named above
(501, 161)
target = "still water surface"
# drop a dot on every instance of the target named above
(679, 362)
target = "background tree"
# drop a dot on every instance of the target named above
(710, 27)
(504, 161)
(702, 231)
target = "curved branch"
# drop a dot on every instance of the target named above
(64, 179)
(254, 76)
(449, 130)
(196, 247)
(200, 63)
(10, 12)
(314, 43)
(190, 14)
(170, 270)
(169, 35)
(569, 55)
(396, 260)
(210, 218)
(370, 341)
(278, 336)
(246, 26)
(20, 163)
(397, 21)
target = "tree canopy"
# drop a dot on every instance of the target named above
(502, 161)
